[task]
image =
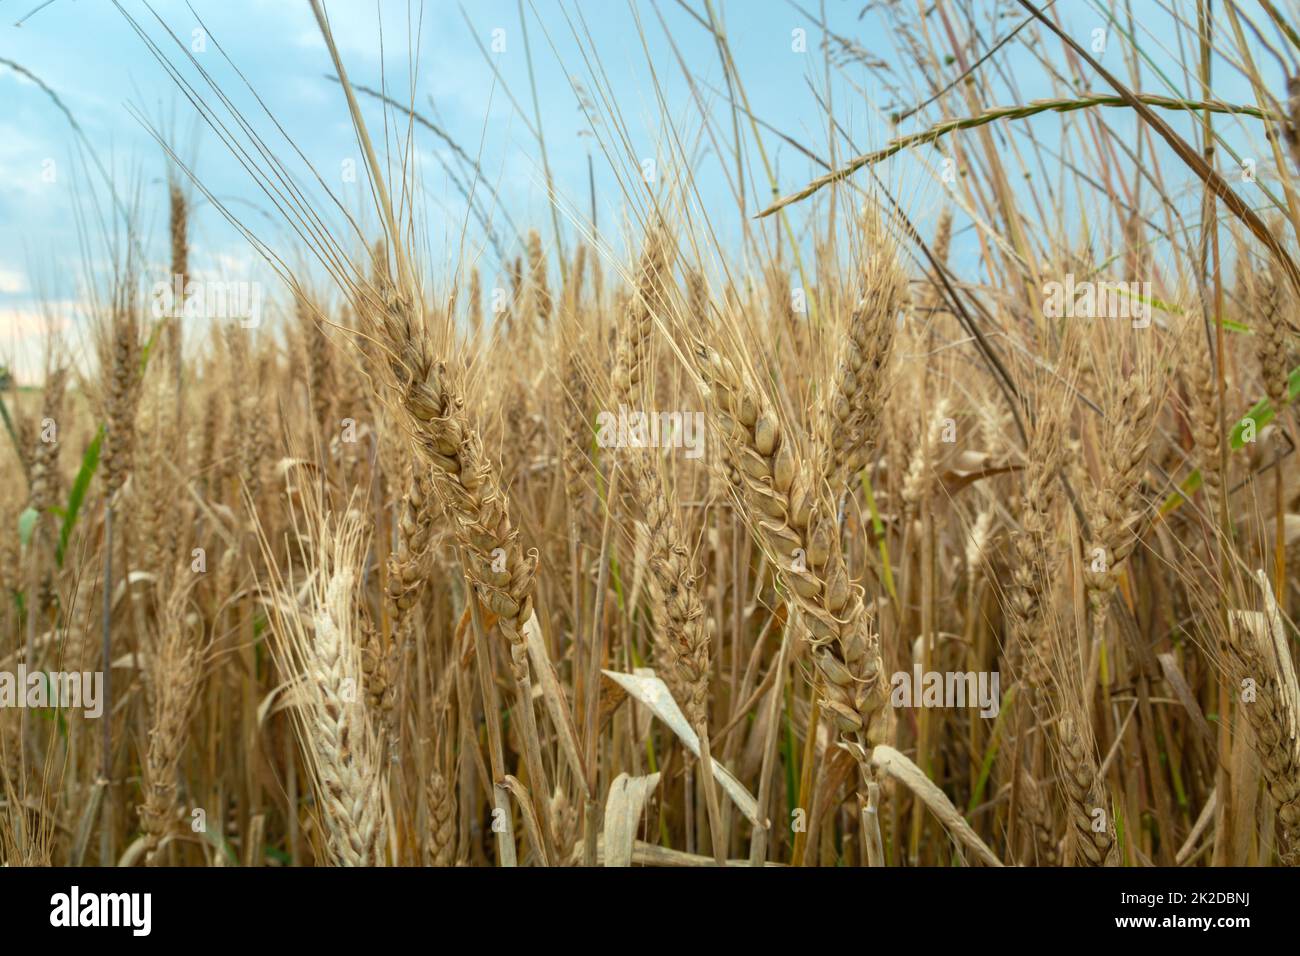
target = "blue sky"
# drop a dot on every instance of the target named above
(86, 51)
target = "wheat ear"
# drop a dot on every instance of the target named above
(541, 289)
(1084, 790)
(175, 671)
(1271, 329)
(1203, 413)
(797, 528)
(321, 380)
(1117, 510)
(440, 843)
(425, 395)
(1259, 660)
(120, 362)
(850, 412)
(318, 641)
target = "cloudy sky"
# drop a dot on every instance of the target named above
(471, 77)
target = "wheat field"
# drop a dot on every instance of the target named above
(930, 515)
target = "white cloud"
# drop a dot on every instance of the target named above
(26, 332)
(19, 323)
(12, 282)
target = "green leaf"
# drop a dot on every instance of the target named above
(89, 462)
(149, 344)
(1172, 309)
(1262, 412)
(877, 526)
(990, 755)
(275, 853)
(219, 843)
(9, 426)
(27, 524)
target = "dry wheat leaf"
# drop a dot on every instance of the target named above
(532, 827)
(889, 761)
(135, 577)
(642, 716)
(1278, 650)
(652, 854)
(557, 705)
(627, 798)
(653, 693)
(612, 696)
(131, 660)
(291, 693)
(1176, 680)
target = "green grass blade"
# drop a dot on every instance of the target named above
(26, 524)
(1261, 413)
(886, 572)
(77, 496)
